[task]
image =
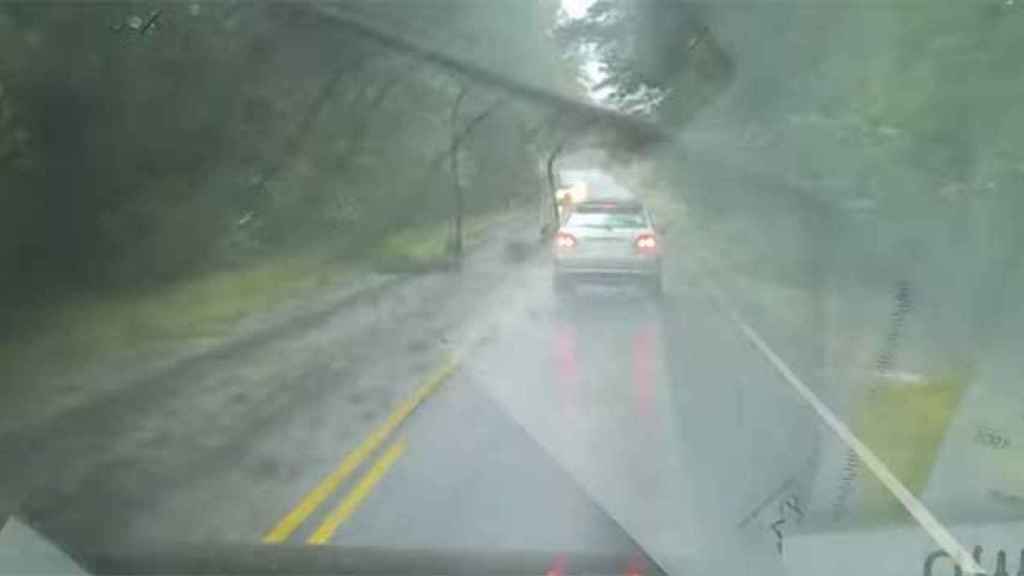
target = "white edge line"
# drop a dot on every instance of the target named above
(924, 517)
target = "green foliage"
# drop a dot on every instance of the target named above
(143, 143)
(922, 94)
(653, 55)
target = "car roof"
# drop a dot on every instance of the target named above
(609, 204)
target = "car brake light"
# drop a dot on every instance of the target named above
(646, 243)
(565, 241)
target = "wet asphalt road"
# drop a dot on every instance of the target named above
(606, 424)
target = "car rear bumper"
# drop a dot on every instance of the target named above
(608, 271)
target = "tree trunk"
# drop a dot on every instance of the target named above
(552, 185)
(453, 159)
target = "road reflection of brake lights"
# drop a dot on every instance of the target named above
(568, 367)
(643, 358)
(557, 567)
(636, 567)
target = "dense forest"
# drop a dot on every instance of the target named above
(142, 142)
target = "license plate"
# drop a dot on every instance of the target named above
(604, 247)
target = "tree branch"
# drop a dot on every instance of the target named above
(638, 130)
(473, 122)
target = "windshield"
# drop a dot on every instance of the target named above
(620, 219)
(304, 282)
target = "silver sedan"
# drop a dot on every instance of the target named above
(604, 241)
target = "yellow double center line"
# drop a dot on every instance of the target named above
(354, 498)
(318, 495)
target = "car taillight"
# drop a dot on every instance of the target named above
(646, 243)
(565, 241)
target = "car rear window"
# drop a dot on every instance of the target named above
(613, 219)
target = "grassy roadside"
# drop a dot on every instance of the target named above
(904, 424)
(206, 306)
(210, 306)
(424, 248)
